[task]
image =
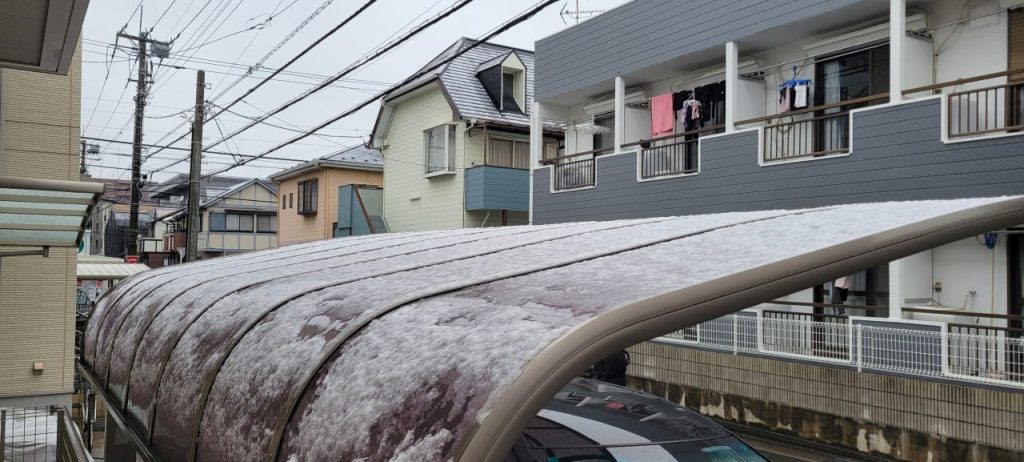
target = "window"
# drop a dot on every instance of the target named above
(291, 200)
(508, 153)
(266, 224)
(231, 222)
(843, 78)
(284, 201)
(605, 140)
(308, 197)
(439, 149)
(508, 92)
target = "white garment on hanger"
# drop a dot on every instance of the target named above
(800, 97)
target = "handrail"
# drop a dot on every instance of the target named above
(830, 305)
(595, 152)
(676, 135)
(969, 314)
(961, 81)
(865, 99)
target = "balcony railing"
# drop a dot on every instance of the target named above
(42, 433)
(984, 111)
(672, 155)
(575, 170)
(994, 356)
(825, 131)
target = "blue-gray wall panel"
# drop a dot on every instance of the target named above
(496, 188)
(897, 155)
(646, 33)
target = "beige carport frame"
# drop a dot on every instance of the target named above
(648, 318)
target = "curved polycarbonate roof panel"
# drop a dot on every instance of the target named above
(442, 345)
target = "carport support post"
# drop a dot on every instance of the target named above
(896, 289)
(732, 75)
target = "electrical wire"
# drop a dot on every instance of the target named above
(285, 66)
(351, 68)
(504, 27)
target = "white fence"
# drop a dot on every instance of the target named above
(873, 344)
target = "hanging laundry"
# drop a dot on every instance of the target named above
(662, 115)
(784, 100)
(800, 93)
(679, 104)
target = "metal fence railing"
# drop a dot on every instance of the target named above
(985, 111)
(40, 434)
(921, 349)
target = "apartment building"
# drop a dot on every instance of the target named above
(320, 198)
(677, 108)
(44, 205)
(456, 141)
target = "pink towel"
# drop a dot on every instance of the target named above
(662, 115)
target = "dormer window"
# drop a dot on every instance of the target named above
(504, 78)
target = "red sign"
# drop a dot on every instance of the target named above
(131, 259)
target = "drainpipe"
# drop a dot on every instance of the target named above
(897, 35)
(732, 75)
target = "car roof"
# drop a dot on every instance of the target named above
(641, 417)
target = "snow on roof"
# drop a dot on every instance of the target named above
(446, 343)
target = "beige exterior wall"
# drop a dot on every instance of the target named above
(293, 228)
(253, 198)
(413, 202)
(39, 125)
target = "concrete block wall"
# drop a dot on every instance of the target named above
(903, 418)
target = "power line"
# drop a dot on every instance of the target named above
(286, 65)
(504, 27)
(187, 149)
(351, 68)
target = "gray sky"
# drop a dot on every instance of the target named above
(109, 114)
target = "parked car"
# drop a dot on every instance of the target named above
(593, 421)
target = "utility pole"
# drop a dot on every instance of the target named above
(81, 169)
(141, 87)
(191, 248)
(141, 92)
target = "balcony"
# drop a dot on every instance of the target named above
(491, 187)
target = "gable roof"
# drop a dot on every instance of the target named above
(357, 157)
(269, 185)
(458, 80)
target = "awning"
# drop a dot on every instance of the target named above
(49, 213)
(92, 267)
(443, 345)
(40, 36)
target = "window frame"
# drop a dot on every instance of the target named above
(273, 223)
(449, 149)
(308, 196)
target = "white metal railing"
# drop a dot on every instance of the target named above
(921, 349)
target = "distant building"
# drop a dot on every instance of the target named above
(456, 141)
(309, 195)
(238, 219)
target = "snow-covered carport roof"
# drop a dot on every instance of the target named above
(442, 345)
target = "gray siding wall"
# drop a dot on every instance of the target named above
(497, 188)
(897, 155)
(645, 33)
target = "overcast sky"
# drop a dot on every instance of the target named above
(107, 107)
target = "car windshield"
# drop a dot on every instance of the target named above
(545, 440)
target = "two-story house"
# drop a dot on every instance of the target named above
(456, 140)
(234, 216)
(321, 198)
(676, 108)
